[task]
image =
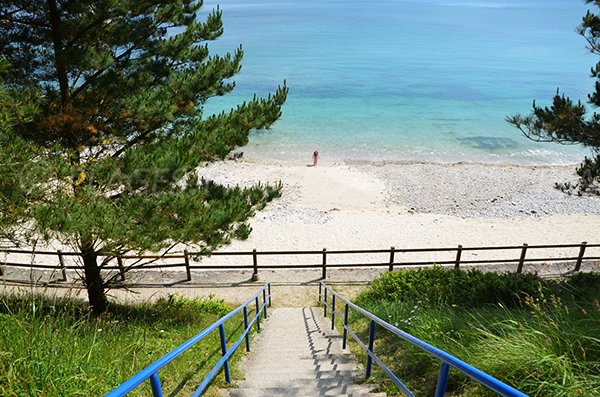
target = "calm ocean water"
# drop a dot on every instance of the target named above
(406, 79)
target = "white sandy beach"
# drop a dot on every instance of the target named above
(355, 205)
(411, 204)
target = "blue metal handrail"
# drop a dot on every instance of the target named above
(151, 371)
(446, 359)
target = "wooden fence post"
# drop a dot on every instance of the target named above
(62, 266)
(254, 265)
(121, 268)
(458, 255)
(188, 271)
(269, 291)
(580, 257)
(324, 271)
(391, 269)
(522, 259)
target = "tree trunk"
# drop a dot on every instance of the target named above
(93, 278)
(59, 60)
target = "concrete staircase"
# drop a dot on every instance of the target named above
(298, 355)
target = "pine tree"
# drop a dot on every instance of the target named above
(566, 121)
(106, 162)
(16, 106)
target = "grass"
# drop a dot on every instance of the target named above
(55, 347)
(542, 338)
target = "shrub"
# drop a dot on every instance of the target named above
(538, 335)
(455, 287)
(582, 286)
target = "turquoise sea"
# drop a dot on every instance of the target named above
(406, 79)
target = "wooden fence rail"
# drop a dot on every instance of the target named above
(520, 259)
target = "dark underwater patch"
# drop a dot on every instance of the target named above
(491, 143)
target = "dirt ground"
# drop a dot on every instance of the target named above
(289, 288)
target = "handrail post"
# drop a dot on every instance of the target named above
(580, 257)
(62, 266)
(224, 351)
(392, 252)
(246, 328)
(440, 390)
(324, 270)
(345, 327)
(188, 271)
(332, 311)
(257, 314)
(370, 350)
(269, 289)
(325, 303)
(458, 255)
(320, 292)
(254, 265)
(155, 383)
(121, 268)
(265, 302)
(522, 258)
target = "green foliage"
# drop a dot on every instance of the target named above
(552, 349)
(589, 174)
(56, 347)
(454, 287)
(16, 106)
(172, 311)
(545, 345)
(567, 122)
(581, 287)
(104, 160)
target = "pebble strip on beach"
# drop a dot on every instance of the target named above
(468, 190)
(482, 190)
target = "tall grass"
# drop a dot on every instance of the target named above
(55, 347)
(542, 338)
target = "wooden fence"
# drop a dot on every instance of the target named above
(188, 261)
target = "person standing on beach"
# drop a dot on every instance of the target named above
(315, 158)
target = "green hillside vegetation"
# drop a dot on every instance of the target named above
(56, 347)
(540, 336)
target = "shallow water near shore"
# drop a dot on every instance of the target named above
(406, 79)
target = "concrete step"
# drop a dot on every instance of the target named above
(275, 381)
(349, 390)
(302, 376)
(305, 351)
(225, 393)
(306, 364)
(290, 373)
(302, 355)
